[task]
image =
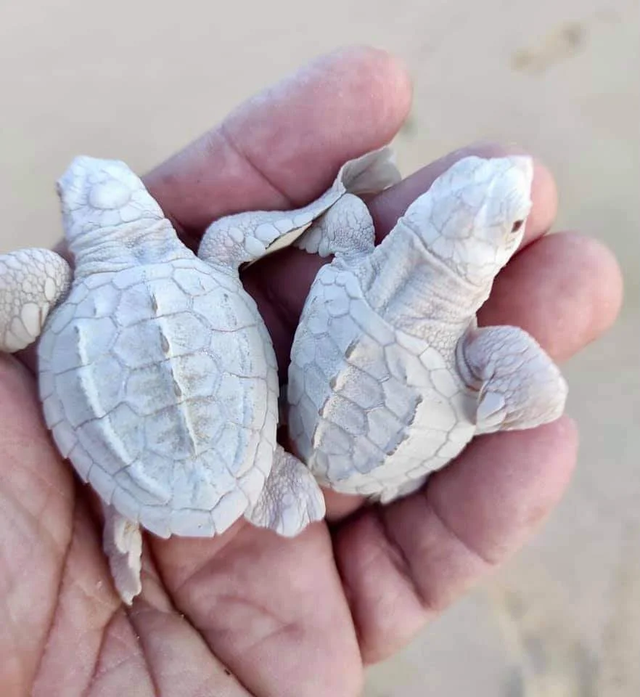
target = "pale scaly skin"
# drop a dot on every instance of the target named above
(32, 282)
(157, 374)
(390, 378)
(248, 236)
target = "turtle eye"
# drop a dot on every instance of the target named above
(516, 226)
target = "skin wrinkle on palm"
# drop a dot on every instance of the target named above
(277, 615)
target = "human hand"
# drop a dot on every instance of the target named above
(250, 612)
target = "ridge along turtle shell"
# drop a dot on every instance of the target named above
(163, 367)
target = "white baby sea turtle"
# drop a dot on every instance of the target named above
(156, 372)
(390, 376)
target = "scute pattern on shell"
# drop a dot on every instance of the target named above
(156, 385)
(359, 388)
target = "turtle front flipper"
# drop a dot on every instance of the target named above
(519, 385)
(291, 498)
(345, 230)
(246, 237)
(32, 283)
(122, 542)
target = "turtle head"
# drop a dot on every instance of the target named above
(473, 217)
(102, 195)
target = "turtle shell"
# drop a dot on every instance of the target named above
(371, 408)
(159, 384)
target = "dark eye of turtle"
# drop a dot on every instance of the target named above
(517, 225)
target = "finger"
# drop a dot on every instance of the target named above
(404, 563)
(564, 289)
(271, 609)
(282, 148)
(281, 283)
(36, 507)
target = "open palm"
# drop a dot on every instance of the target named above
(250, 612)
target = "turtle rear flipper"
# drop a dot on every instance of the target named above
(291, 498)
(122, 542)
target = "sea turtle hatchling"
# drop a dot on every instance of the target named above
(390, 376)
(156, 372)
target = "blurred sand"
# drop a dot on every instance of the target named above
(558, 76)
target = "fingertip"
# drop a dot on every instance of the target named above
(17, 386)
(339, 506)
(560, 439)
(567, 427)
(343, 104)
(595, 261)
(544, 200)
(510, 482)
(390, 88)
(564, 289)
